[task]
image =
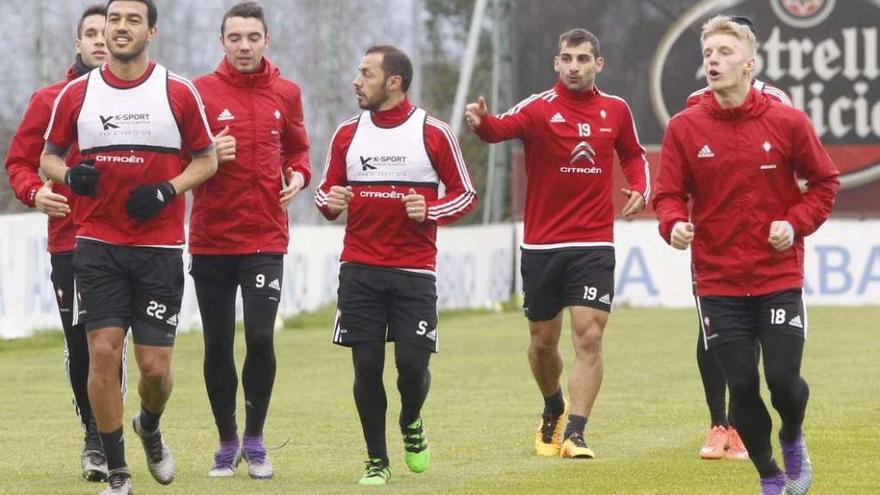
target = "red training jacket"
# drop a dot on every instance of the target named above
(237, 211)
(23, 163)
(570, 139)
(378, 231)
(739, 166)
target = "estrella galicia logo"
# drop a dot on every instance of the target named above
(365, 163)
(107, 122)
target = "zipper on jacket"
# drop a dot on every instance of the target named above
(255, 167)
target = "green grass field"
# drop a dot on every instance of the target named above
(647, 426)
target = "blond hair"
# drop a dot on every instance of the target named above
(722, 24)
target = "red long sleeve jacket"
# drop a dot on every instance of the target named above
(570, 140)
(739, 167)
(237, 211)
(23, 163)
(382, 156)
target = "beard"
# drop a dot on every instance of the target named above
(134, 50)
(374, 103)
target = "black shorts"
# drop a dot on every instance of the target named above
(386, 305)
(257, 274)
(122, 286)
(556, 279)
(727, 319)
(62, 283)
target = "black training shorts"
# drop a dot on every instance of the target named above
(559, 278)
(122, 286)
(727, 319)
(379, 304)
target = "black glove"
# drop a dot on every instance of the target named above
(145, 201)
(82, 178)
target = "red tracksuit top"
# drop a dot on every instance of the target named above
(378, 231)
(237, 211)
(23, 163)
(739, 167)
(103, 217)
(570, 139)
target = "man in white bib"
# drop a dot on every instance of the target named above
(385, 167)
(134, 121)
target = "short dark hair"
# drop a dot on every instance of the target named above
(579, 36)
(245, 9)
(394, 63)
(96, 9)
(152, 11)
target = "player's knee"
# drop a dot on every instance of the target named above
(411, 366)
(545, 341)
(217, 346)
(587, 338)
(154, 369)
(368, 362)
(155, 374)
(260, 357)
(743, 384)
(261, 343)
(103, 355)
(781, 382)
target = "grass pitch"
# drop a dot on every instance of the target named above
(647, 426)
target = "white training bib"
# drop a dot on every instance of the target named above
(139, 117)
(395, 155)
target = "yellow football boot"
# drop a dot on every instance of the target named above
(574, 447)
(548, 438)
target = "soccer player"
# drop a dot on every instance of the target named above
(238, 228)
(768, 89)
(133, 121)
(736, 155)
(55, 200)
(384, 168)
(570, 134)
(722, 440)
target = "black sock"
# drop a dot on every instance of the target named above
(256, 409)
(216, 296)
(413, 380)
(554, 404)
(227, 426)
(369, 395)
(765, 464)
(576, 424)
(76, 346)
(789, 433)
(149, 421)
(788, 390)
(753, 422)
(258, 372)
(93, 438)
(714, 384)
(114, 448)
